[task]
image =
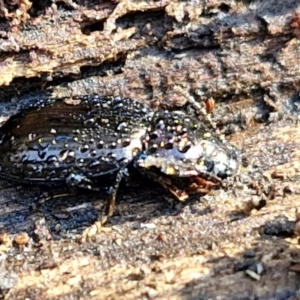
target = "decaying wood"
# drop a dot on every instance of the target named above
(238, 60)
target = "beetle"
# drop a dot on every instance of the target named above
(80, 141)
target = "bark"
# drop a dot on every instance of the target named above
(236, 60)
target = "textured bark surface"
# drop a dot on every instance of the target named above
(239, 59)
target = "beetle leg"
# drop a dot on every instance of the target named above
(110, 206)
(113, 194)
(47, 196)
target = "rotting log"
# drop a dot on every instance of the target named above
(241, 60)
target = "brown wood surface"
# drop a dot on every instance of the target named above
(239, 242)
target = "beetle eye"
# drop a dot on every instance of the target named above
(143, 156)
(209, 166)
